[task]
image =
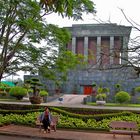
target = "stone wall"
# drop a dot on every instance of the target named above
(124, 76)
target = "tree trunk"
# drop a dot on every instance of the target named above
(1, 74)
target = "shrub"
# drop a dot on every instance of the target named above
(94, 85)
(122, 97)
(43, 93)
(4, 89)
(100, 90)
(101, 96)
(103, 90)
(30, 91)
(34, 84)
(137, 89)
(18, 92)
(3, 93)
(118, 87)
(106, 90)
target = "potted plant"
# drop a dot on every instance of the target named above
(35, 98)
(101, 96)
(18, 92)
(44, 95)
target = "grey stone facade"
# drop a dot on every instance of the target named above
(125, 76)
(83, 30)
(110, 74)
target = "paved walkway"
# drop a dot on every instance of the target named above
(74, 101)
(33, 133)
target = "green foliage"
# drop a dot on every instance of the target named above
(3, 93)
(3, 85)
(100, 90)
(30, 91)
(97, 116)
(4, 89)
(24, 20)
(34, 84)
(106, 90)
(18, 92)
(21, 112)
(101, 96)
(137, 89)
(122, 97)
(103, 90)
(66, 121)
(102, 93)
(65, 61)
(20, 107)
(118, 87)
(94, 84)
(69, 8)
(43, 93)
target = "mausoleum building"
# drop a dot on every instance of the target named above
(100, 43)
(104, 47)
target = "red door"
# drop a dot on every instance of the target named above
(87, 90)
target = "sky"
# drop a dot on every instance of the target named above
(107, 10)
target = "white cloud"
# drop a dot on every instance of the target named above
(106, 9)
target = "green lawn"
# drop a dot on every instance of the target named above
(116, 104)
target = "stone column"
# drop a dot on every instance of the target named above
(86, 48)
(111, 49)
(74, 45)
(98, 55)
(124, 52)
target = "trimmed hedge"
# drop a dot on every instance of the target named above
(85, 117)
(70, 120)
(97, 117)
(19, 106)
(88, 111)
(22, 112)
(122, 97)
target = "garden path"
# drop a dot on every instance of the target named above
(34, 134)
(75, 101)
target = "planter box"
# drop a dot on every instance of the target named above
(36, 99)
(100, 102)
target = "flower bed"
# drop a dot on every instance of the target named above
(72, 122)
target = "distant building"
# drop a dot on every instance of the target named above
(105, 42)
(103, 46)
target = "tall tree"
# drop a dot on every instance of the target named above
(134, 45)
(59, 68)
(133, 48)
(26, 40)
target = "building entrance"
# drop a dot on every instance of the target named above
(87, 90)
